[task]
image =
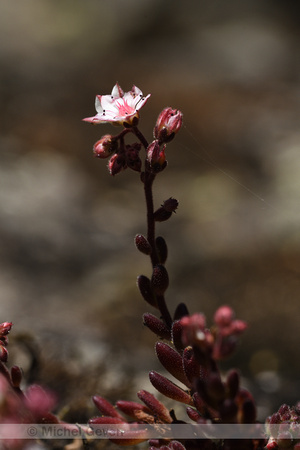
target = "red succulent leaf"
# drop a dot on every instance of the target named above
(105, 407)
(157, 326)
(132, 409)
(172, 362)
(157, 408)
(169, 389)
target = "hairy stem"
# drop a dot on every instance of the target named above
(148, 180)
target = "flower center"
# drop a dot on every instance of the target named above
(125, 109)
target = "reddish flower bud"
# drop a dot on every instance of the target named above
(193, 330)
(142, 244)
(172, 362)
(105, 407)
(238, 327)
(105, 147)
(169, 389)
(145, 287)
(157, 326)
(223, 316)
(156, 157)
(167, 125)
(160, 279)
(116, 164)
(162, 249)
(5, 328)
(284, 409)
(155, 406)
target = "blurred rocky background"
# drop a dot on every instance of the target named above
(68, 263)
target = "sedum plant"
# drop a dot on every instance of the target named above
(188, 348)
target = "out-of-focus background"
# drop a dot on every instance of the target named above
(68, 263)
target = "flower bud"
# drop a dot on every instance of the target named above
(160, 279)
(142, 244)
(169, 389)
(223, 316)
(105, 146)
(162, 249)
(5, 328)
(167, 125)
(193, 332)
(156, 157)
(116, 164)
(146, 290)
(157, 326)
(283, 410)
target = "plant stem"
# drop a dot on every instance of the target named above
(149, 178)
(140, 136)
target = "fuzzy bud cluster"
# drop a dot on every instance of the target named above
(284, 428)
(228, 329)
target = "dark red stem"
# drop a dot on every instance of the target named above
(149, 178)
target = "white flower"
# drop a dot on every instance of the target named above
(119, 108)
